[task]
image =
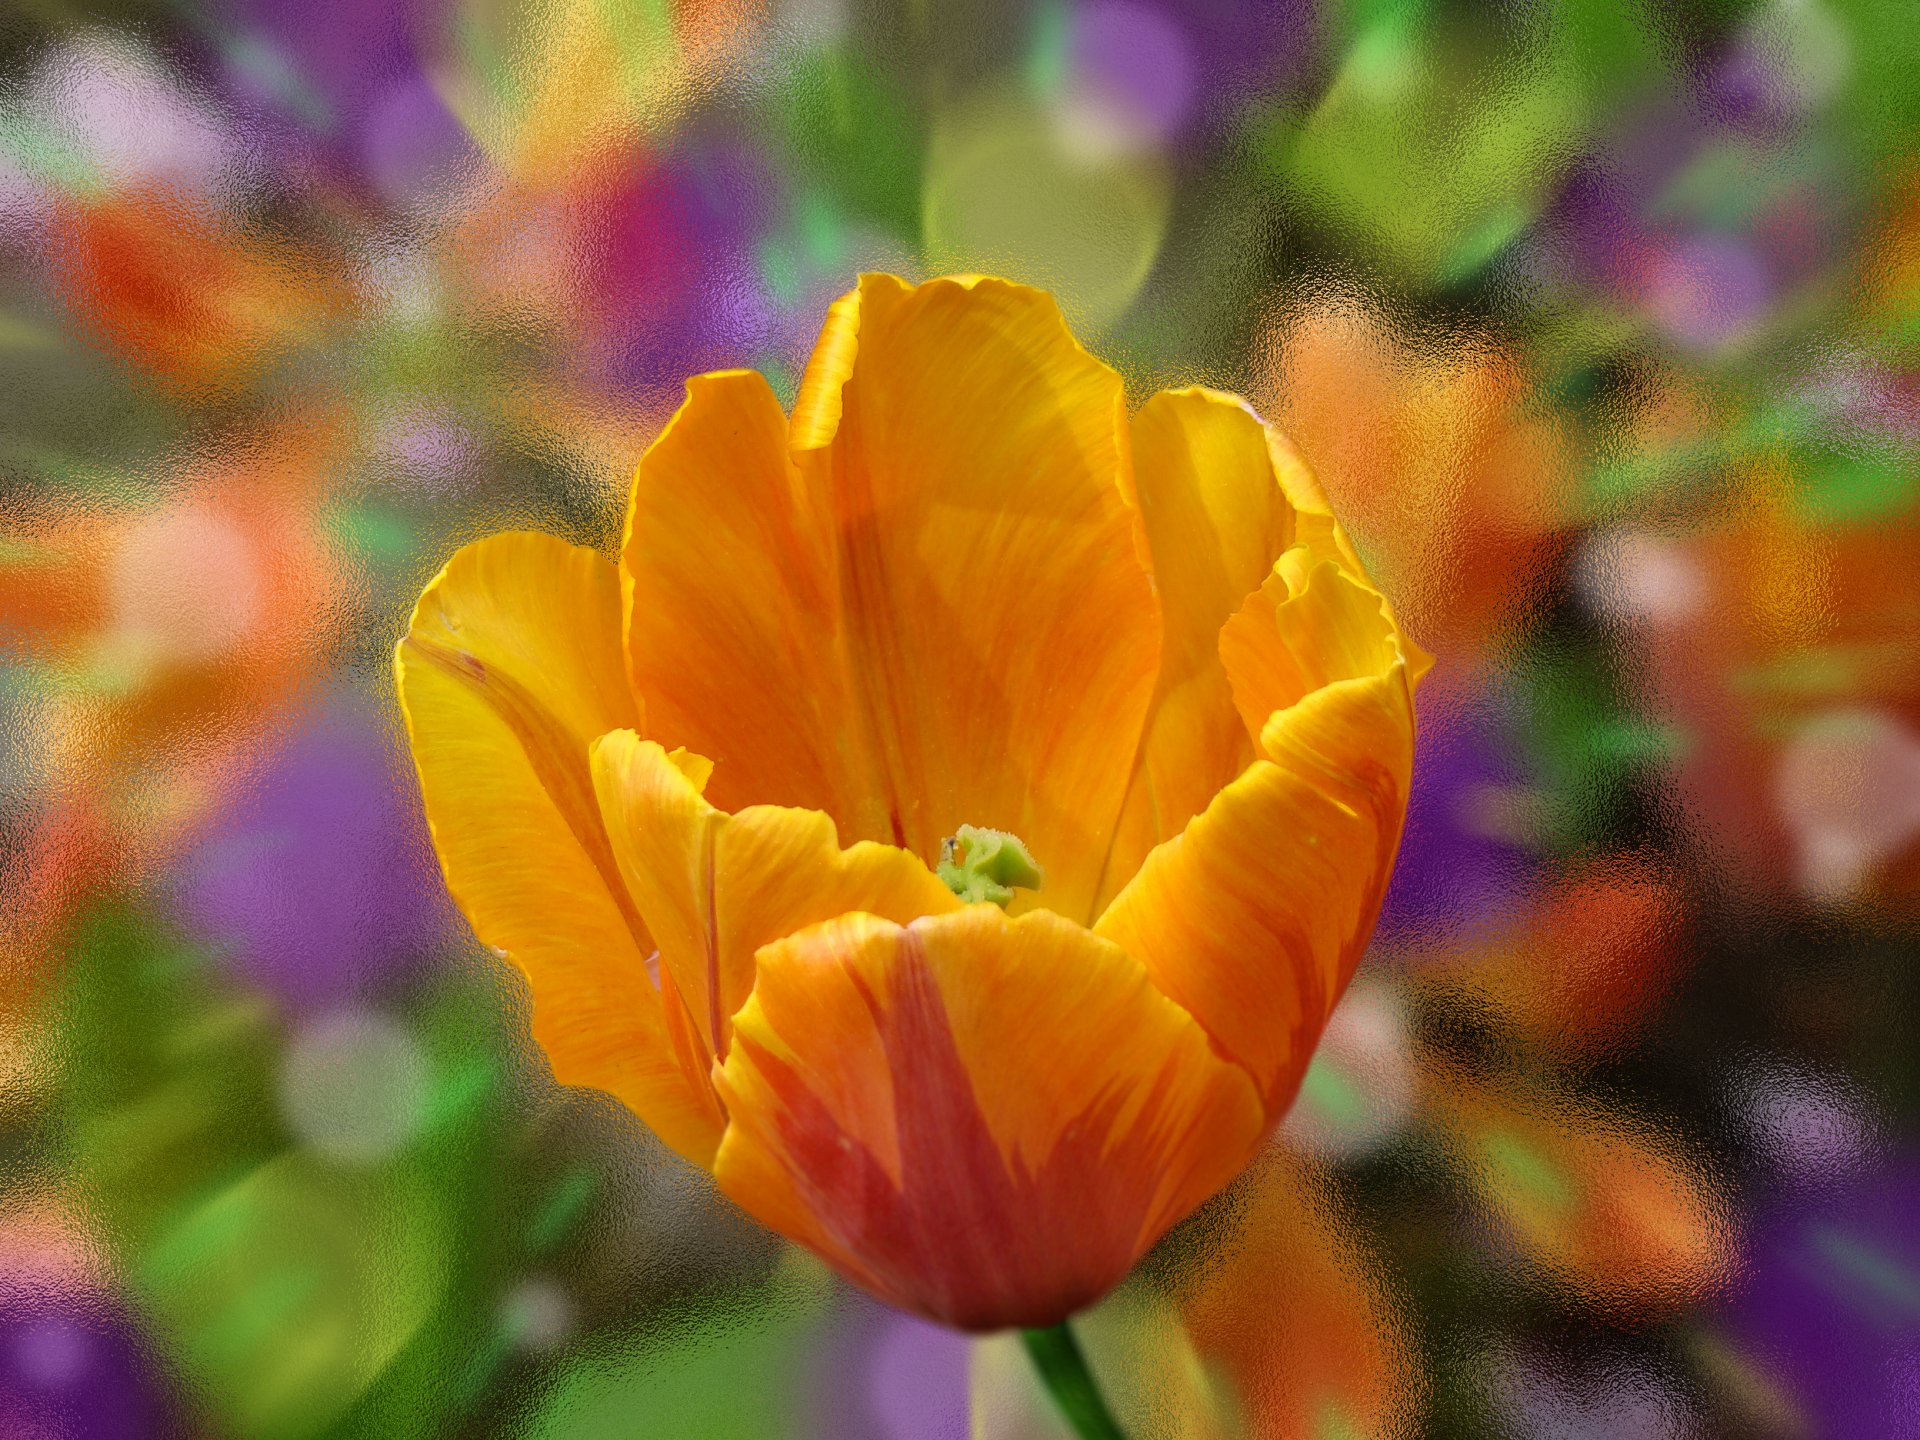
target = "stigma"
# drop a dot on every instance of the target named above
(981, 865)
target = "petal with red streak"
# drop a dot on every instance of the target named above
(983, 1119)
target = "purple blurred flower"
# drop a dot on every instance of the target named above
(889, 1376)
(1131, 66)
(317, 882)
(411, 148)
(1145, 73)
(668, 274)
(71, 1369)
(1831, 1304)
(1596, 223)
(1745, 90)
(343, 87)
(1245, 50)
(1708, 289)
(1704, 288)
(1459, 860)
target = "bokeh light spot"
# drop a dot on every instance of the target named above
(354, 1086)
(1004, 195)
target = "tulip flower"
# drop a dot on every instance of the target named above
(954, 817)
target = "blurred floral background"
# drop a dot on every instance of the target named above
(1599, 323)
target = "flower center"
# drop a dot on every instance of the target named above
(979, 864)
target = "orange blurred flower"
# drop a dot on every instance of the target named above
(960, 588)
(152, 642)
(150, 650)
(1440, 461)
(1573, 973)
(1292, 1309)
(1782, 649)
(1592, 1200)
(175, 290)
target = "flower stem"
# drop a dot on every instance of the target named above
(1063, 1370)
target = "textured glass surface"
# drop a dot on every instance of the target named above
(1598, 323)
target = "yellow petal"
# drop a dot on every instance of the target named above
(1307, 626)
(713, 887)
(733, 611)
(510, 667)
(999, 620)
(1323, 538)
(983, 1119)
(1216, 519)
(1256, 915)
(1314, 525)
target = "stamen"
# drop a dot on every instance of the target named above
(979, 865)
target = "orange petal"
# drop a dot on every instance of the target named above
(983, 1119)
(713, 887)
(1254, 917)
(1323, 538)
(1216, 518)
(999, 620)
(732, 610)
(1308, 626)
(510, 667)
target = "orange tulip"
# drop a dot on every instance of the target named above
(699, 797)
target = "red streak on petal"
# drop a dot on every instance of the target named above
(970, 1237)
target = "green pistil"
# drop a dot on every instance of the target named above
(979, 864)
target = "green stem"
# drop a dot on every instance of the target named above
(1063, 1370)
